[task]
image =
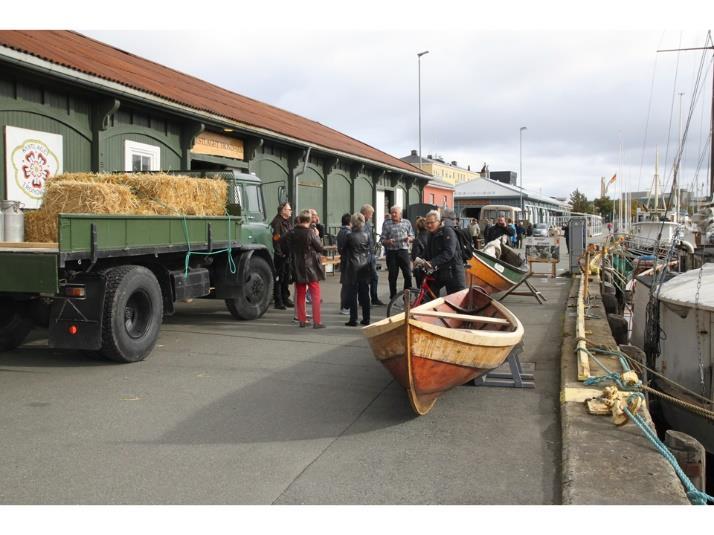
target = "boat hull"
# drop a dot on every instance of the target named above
(493, 275)
(434, 356)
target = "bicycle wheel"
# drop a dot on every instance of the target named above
(396, 305)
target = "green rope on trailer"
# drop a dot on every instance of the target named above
(231, 262)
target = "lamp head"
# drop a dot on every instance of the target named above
(420, 54)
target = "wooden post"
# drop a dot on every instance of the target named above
(690, 455)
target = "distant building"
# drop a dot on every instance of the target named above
(440, 169)
(470, 197)
(507, 177)
(439, 193)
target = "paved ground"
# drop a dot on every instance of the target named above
(264, 412)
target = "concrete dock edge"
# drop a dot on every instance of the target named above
(603, 464)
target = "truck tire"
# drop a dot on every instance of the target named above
(133, 309)
(255, 293)
(15, 323)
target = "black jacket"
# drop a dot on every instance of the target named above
(419, 244)
(305, 248)
(356, 257)
(442, 249)
(494, 232)
(280, 228)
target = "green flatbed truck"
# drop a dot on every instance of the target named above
(107, 283)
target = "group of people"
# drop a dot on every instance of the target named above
(514, 232)
(436, 243)
(298, 246)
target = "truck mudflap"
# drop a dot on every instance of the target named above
(76, 322)
(227, 285)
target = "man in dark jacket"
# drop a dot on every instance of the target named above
(499, 229)
(281, 224)
(341, 241)
(442, 253)
(358, 270)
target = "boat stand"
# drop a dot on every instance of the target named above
(515, 376)
(532, 291)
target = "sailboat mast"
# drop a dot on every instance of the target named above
(711, 124)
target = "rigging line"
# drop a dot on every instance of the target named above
(649, 112)
(676, 165)
(671, 107)
(698, 91)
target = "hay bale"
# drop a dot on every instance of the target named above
(76, 197)
(162, 194)
(38, 226)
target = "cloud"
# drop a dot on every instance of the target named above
(579, 93)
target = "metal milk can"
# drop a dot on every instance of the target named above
(14, 221)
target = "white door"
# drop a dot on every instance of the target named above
(379, 212)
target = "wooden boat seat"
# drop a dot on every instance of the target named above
(463, 317)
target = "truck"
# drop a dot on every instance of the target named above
(109, 280)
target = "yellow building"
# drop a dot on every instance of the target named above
(438, 168)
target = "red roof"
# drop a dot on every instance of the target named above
(86, 55)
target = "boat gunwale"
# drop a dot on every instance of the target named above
(517, 271)
(475, 337)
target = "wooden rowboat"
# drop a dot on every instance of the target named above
(446, 342)
(492, 274)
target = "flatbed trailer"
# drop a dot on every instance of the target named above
(109, 280)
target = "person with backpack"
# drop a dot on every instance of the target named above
(357, 270)
(466, 244)
(442, 253)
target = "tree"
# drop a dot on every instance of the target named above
(604, 206)
(580, 203)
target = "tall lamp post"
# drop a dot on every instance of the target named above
(520, 134)
(419, 55)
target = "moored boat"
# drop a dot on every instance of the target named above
(493, 274)
(445, 343)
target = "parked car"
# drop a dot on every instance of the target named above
(540, 230)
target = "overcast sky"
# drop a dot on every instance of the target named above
(579, 93)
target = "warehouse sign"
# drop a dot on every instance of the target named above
(31, 158)
(213, 144)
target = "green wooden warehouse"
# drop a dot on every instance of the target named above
(71, 103)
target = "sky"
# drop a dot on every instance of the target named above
(591, 89)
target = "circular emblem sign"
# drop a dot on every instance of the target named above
(34, 163)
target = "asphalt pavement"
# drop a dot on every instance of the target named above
(263, 412)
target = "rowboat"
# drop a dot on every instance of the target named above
(493, 275)
(445, 343)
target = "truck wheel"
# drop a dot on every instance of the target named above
(255, 293)
(15, 324)
(133, 309)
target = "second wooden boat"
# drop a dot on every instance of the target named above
(444, 343)
(492, 274)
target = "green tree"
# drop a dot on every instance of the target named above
(580, 203)
(604, 206)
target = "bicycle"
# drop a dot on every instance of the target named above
(416, 296)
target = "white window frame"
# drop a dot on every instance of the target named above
(132, 148)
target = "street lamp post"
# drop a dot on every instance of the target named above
(521, 165)
(419, 55)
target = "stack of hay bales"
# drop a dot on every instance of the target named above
(126, 194)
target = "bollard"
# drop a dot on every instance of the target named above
(618, 327)
(609, 301)
(690, 455)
